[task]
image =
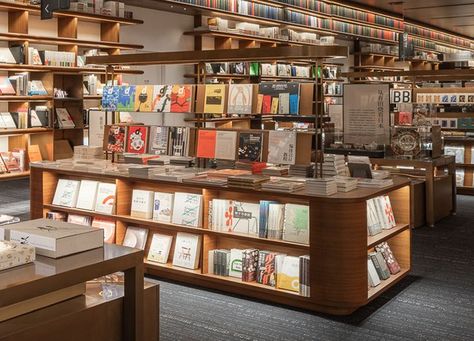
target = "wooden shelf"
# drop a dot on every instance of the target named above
(168, 267)
(376, 54)
(465, 165)
(217, 75)
(386, 284)
(62, 69)
(92, 97)
(15, 98)
(385, 235)
(25, 131)
(13, 176)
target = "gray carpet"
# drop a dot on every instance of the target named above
(436, 302)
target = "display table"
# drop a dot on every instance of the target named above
(440, 182)
(47, 275)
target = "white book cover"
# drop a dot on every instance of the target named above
(210, 262)
(64, 118)
(87, 195)
(8, 121)
(35, 121)
(222, 215)
(240, 99)
(373, 276)
(79, 219)
(235, 268)
(388, 210)
(162, 98)
(459, 177)
(66, 193)
(160, 248)
(163, 207)
(6, 56)
(142, 204)
(456, 151)
(380, 206)
(105, 202)
(187, 209)
(187, 250)
(374, 224)
(296, 225)
(108, 225)
(284, 103)
(282, 147)
(275, 220)
(135, 237)
(226, 145)
(246, 218)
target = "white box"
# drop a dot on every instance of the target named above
(14, 254)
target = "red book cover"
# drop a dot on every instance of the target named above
(181, 98)
(116, 139)
(267, 104)
(206, 144)
(137, 138)
(387, 254)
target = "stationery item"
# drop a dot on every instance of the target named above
(160, 248)
(13, 254)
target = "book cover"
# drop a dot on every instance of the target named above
(206, 146)
(34, 153)
(296, 224)
(283, 103)
(380, 265)
(226, 145)
(87, 195)
(222, 216)
(182, 98)
(135, 237)
(250, 147)
(187, 209)
(178, 143)
(6, 87)
(288, 274)
(163, 207)
(159, 137)
(266, 268)
(266, 104)
(214, 99)
(162, 98)
(373, 277)
(66, 193)
(275, 90)
(108, 225)
(160, 248)
(240, 99)
(79, 219)
(126, 98)
(64, 118)
(246, 218)
(390, 259)
(187, 250)
(137, 139)
(110, 97)
(276, 220)
(259, 104)
(116, 139)
(235, 266)
(274, 108)
(388, 211)
(143, 98)
(249, 265)
(142, 204)
(105, 202)
(282, 147)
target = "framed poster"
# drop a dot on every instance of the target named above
(366, 113)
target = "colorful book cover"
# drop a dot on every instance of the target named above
(137, 137)
(249, 265)
(126, 98)
(296, 225)
(289, 273)
(159, 137)
(162, 98)
(240, 99)
(116, 139)
(267, 104)
(246, 218)
(266, 268)
(182, 98)
(390, 259)
(275, 90)
(143, 98)
(214, 99)
(6, 87)
(206, 147)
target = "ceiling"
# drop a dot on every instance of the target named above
(452, 15)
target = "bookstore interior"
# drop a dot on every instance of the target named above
(198, 169)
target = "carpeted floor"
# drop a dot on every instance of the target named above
(436, 302)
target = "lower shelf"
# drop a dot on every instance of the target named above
(385, 284)
(12, 176)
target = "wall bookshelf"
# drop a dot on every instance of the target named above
(338, 237)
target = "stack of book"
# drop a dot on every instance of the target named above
(285, 185)
(345, 183)
(88, 152)
(381, 264)
(139, 159)
(334, 165)
(305, 171)
(162, 160)
(140, 171)
(225, 164)
(187, 161)
(321, 186)
(247, 181)
(275, 171)
(206, 179)
(374, 183)
(254, 167)
(379, 215)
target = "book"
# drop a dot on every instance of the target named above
(142, 204)
(214, 99)
(110, 97)
(275, 220)
(272, 92)
(162, 98)
(374, 225)
(159, 138)
(246, 218)
(221, 215)
(14, 254)
(226, 145)
(87, 195)
(116, 139)
(64, 119)
(305, 281)
(206, 145)
(235, 266)
(105, 202)
(380, 265)
(34, 153)
(240, 99)
(160, 248)
(137, 139)
(7, 121)
(55, 239)
(126, 98)
(373, 277)
(178, 143)
(182, 98)
(66, 193)
(282, 147)
(266, 268)
(163, 207)
(135, 237)
(79, 219)
(187, 209)
(288, 274)
(250, 147)
(108, 226)
(296, 224)
(249, 265)
(187, 250)
(6, 87)
(390, 259)
(143, 98)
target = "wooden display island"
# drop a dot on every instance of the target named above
(338, 237)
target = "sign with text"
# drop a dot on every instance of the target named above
(400, 96)
(366, 113)
(49, 6)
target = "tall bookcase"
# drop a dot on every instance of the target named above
(338, 243)
(66, 78)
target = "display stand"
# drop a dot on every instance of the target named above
(338, 243)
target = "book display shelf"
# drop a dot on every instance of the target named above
(338, 281)
(60, 67)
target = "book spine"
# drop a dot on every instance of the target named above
(373, 258)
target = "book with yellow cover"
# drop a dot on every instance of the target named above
(214, 99)
(143, 98)
(288, 274)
